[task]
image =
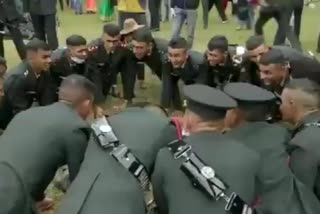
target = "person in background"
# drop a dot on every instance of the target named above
(297, 13)
(10, 17)
(90, 6)
(3, 67)
(56, 135)
(207, 5)
(106, 10)
(184, 11)
(43, 15)
(243, 15)
(154, 8)
(78, 6)
(27, 84)
(135, 9)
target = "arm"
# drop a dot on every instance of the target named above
(76, 145)
(305, 166)
(157, 183)
(15, 94)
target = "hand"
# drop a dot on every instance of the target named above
(173, 13)
(45, 204)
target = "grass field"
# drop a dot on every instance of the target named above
(90, 26)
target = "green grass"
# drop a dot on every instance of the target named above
(90, 26)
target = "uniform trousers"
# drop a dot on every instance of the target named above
(154, 9)
(45, 29)
(207, 6)
(16, 38)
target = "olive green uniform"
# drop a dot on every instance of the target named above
(104, 185)
(279, 191)
(305, 154)
(236, 165)
(35, 144)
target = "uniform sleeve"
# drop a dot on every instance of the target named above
(15, 94)
(305, 166)
(76, 146)
(166, 87)
(157, 183)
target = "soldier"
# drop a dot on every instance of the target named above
(69, 60)
(300, 106)
(218, 68)
(27, 83)
(129, 27)
(178, 186)
(146, 50)
(276, 70)
(106, 58)
(279, 191)
(48, 138)
(180, 65)
(103, 183)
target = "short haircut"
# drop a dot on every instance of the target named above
(3, 61)
(256, 112)
(218, 42)
(76, 88)
(273, 56)
(75, 40)
(254, 41)
(36, 44)
(143, 35)
(310, 90)
(112, 30)
(178, 43)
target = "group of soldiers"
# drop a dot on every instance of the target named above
(230, 152)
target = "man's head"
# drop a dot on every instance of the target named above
(38, 55)
(206, 106)
(254, 103)
(142, 43)
(298, 98)
(129, 27)
(217, 50)
(274, 68)
(178, 52)
(256, 47)
(3, 66)
(77, 47)
(111, 37)
(79, 92)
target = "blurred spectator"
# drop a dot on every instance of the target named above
(91, 6)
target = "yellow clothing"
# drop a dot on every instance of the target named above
(132, 6)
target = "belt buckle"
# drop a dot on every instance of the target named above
(182, 151)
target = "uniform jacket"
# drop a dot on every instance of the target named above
(62, 66)
(103, 183)
(40, 7)
(22, 88)
(279, 191)
(40, 140)
(304, 153)
(8, 11)
(104, 68)
(170, 92)
(219, 75)
(235, 164)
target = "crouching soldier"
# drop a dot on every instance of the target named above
(115, 172)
